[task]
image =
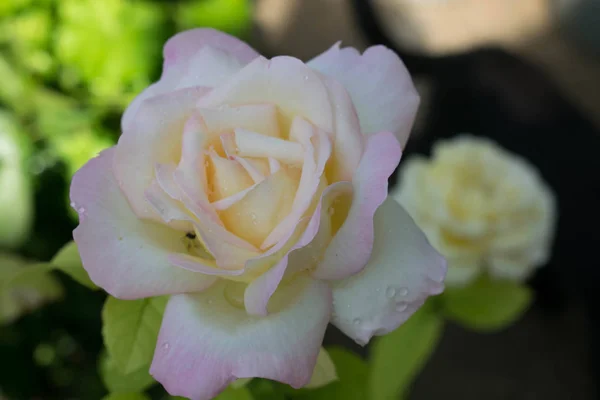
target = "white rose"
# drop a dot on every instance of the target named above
(482, 207)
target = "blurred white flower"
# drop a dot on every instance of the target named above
(482, 207)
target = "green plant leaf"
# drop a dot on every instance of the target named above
(264, 389)
(24, 287)
(399, 356)
(486, 305)
(117, 382)
(126, 396)
(352, 372)
(324, 372)
(235, 394)
(68, 261)
(130, 330)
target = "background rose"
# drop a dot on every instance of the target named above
(481, 207)
(248, 188)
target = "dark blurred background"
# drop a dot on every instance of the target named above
(523, 72)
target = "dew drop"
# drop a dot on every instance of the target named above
(331, 211)
(401, 307)
(73, 205)
(305, 77)
(403, 291)
(166, 346)
(356, 321)
(390, 292)
(81, 210)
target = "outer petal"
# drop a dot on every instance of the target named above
(351, 246)
(154, 137)
(403, 271)
(205, 343)
(122, 254)
(379, 84)
(180, 50)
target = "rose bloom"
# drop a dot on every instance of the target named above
(482, 207)
(254, 192)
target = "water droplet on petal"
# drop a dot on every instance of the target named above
(400, 307)
(356, 321)
(403, 291)
(73, 205)
(166, 346)
(305, 77)
(81, 210)
(390, 292)
(331, 211)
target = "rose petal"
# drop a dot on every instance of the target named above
(205, 343)
(178, 52)
(251, 144)
(403, 271)
(379, 85)
(285, 81)
(350, 248)
(123, 254)
(261, 118)
(299, 250)
(153, 137)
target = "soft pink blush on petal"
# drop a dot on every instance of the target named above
(178, 53)
(205, 343)
(350, 249)
(124, 255)
(379, 84)
(403, 271)
(259, 291)
(155, 136)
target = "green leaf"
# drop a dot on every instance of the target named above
(126, 396)
(118, 382)
(264, 389)
(25, 287)
(130, 330)
(399, 356)
(68, 261)
(235, 394)
(324, 372)
(351, 384)
(486, 305)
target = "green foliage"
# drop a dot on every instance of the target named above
(24, 287)
(68, 261)
(267, 390)
(231, 16)
(351, 384)
(126, 396)
(112, 47)
(486, 305)
(399, 356)
(235, 394)
(16, 192)
(118, 382)
(130, 330)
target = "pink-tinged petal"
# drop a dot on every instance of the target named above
(170, 210)
(274, 165)
(155, 136)
(126, 256)
(197, 264)
(379, 85)
(298, 251)
(349, 142)
(285, 81)
(180, 48)
(254, 173)
(261, 118)
(205, 343)
(181, 51)
(403, 271)
(350, 248)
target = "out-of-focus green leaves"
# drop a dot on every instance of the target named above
(111, 47)
(16, 87)
(16, 192)
(24, 287)
(235, 394)
(486, 305)
(399, 356)
(231, 16)
(126, 396)
(351, 384)
(68, 261)
(266, 390)
(130, 330)
(118, 382)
